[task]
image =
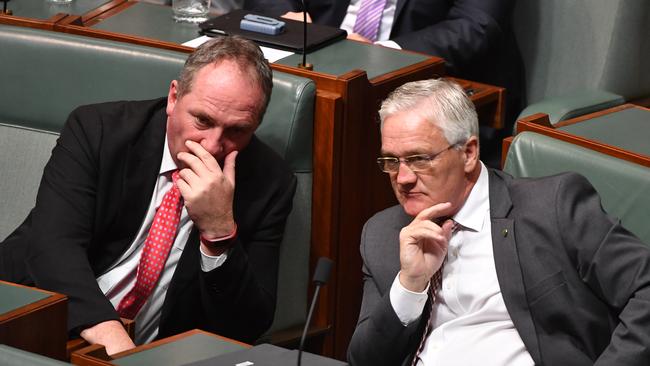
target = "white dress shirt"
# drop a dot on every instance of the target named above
(120, 277)
(385, 26)
(471, 325)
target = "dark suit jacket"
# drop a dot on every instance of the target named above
(576, 283)
(474, 37)
(94, 194)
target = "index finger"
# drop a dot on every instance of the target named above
(433, 212)
(208, 160)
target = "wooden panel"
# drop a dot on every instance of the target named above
(38, 327)
(95, 355)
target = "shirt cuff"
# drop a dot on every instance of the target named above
(210, 262)
(390, 44)
(408, 305)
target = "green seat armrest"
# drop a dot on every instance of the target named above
(10, 356)
(573, 105)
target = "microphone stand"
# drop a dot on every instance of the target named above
(304, 331)
(304, 64)
(4, 8)
(321, 275)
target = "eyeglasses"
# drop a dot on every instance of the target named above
(416, 163)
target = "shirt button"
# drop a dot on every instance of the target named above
(448, 283)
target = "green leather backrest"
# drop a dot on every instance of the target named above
(10, 356)
(44, 75)
(288, 128)
(624, 187)
(570, 46)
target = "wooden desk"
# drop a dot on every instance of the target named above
(622, 131)
(351, 79)
(33, 320)
(191, 346)
(44, 14)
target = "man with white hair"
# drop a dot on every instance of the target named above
(474, 267)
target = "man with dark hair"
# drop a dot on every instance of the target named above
(141, 212)
(474, 267)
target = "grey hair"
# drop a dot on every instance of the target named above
(248, 56)
(442, 102)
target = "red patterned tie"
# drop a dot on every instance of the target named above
(434, 285)
(154, 254)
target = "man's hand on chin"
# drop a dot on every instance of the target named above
(111, 334)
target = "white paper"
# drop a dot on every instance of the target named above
(271, 54)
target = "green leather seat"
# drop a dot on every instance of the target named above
(567, 106)
(624, 187)
(45, 75)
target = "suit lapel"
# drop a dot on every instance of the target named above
(128, 204)
(398, 9)
(140, 174)
(508, 266)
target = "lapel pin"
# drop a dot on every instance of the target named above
(504, 232)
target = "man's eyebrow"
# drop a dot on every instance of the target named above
(406, 153)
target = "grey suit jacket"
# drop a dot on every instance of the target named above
(575, 282)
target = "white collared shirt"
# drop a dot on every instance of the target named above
(120, 277)
(471, 325)
(385, 26)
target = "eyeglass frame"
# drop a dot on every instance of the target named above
(382, 160)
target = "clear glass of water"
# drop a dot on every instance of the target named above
(190, 11)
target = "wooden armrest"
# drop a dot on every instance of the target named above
(92, 355)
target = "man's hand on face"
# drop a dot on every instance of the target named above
(423, 247)
(208, 190)
(111, 334)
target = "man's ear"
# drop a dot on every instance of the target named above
(471, 152)
(172, 97)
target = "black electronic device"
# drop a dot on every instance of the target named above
(291, 39)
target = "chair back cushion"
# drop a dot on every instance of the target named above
(624, 187)
(288, 128)
(45, 74)
(570, 46)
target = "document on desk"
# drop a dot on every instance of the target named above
(271, 54)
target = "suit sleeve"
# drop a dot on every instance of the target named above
(380, 338)
(469, 31)
(239, 297)
(614, 264)
(62, 224)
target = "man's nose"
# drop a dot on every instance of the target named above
(405, 175)
(213, 141)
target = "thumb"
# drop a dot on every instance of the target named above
(229, 167)
(447, 227)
